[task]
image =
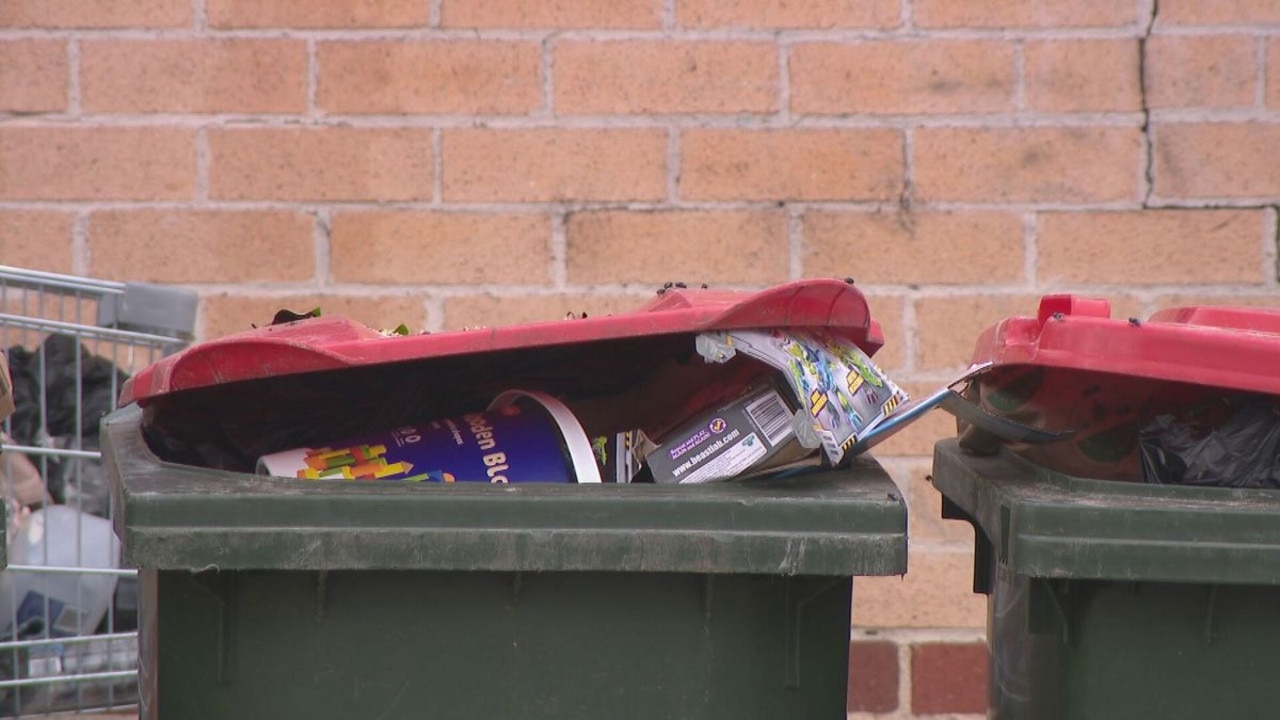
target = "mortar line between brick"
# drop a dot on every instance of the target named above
(1260, 83)
(1030, 249)
(910, 333)
(904, 678)
(1020, 76)
(669, 21)
(313, 80)
(912, 636)
(1147, 179)
(546, 65)
(434, 305)
(906, 15)
(350, 289)
(322, 241)
(795, 244)
(75, 100)
(81, 253)
(784, 83)
(1271, 246)
(434, 12)
(655, 34)
(559, 250)
(514, 206)
(906, 198)
(674, 166)
(202, 166)
(762, 121)
(200, 14)
(437, 167)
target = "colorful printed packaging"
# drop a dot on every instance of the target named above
(511, 442)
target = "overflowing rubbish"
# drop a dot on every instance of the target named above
(1232, 442)
(697, 386)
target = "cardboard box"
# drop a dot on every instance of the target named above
(745, 436)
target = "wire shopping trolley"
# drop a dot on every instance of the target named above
(68, 611)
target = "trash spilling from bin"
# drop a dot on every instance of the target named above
(694, 387)
(813, 396)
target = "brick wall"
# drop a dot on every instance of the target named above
(447, 163)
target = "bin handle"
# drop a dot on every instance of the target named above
(575, 438)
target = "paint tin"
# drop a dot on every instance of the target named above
(523, 436)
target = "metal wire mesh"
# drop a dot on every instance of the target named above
(68, 613)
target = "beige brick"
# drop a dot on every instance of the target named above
(449, 248)
(96, 14)
(887, 310)
(1273, 73)
(1269, 300)
(898, 78)
(558, 14)
(625, 247)
(883, 14)
(924, 502)
(1024, 13)
(936, 592)
(317, 13)
(1047, 164)
(1217, 160)
(132, 76)
(36, 240)
(553, 164)
(948, 326)
(918, 438)
(33, 76)
(96, 163)
(1152, 246)
(1219, 12)
(223, 314)
(173, 246)
(791, 164)
(331, 163)
(1208, 71)
(1083, 76)
(637, 77)
(429, 77)
(472, 311)
(926, 247)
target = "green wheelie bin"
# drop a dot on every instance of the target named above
(1110, 597)
(267, 597)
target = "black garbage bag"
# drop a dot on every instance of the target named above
(1234, 442)
(85, 391)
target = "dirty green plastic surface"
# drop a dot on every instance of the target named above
(268, 597)
(1120, 600)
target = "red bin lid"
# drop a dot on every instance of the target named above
(1225, 347)
(333, 343)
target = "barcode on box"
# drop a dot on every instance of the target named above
(770, 414)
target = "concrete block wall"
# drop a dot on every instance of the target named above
(454, 163)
